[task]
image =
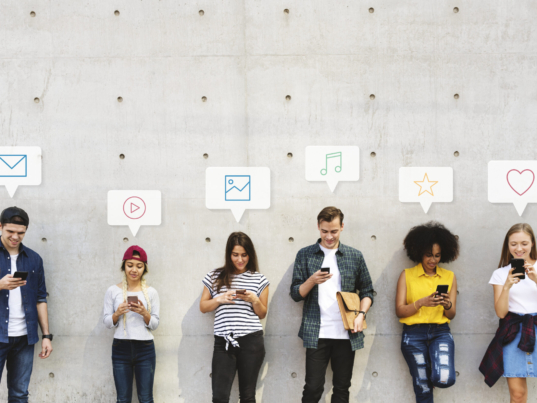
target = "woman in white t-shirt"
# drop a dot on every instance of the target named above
(515, 302)
(239, 294)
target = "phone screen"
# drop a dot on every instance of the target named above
(518, 264)
(442, 289)
(21, 274)
(325, 269)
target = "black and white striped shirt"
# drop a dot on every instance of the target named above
(239, 319)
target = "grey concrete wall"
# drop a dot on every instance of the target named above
(245, 56)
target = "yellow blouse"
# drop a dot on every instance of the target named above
(419, 285)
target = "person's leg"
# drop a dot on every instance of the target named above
(249, 361)
(442, 357)
(20, 360)
(518, 390)
(224, 367)
(316, 363)
(414, 348)
(123, 369)
(342, 362)
(144, 369)
(4, 350)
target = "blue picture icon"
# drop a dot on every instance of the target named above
(238, 188)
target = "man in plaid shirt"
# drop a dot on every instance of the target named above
(322, 330)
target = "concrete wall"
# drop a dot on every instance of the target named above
(245, 56)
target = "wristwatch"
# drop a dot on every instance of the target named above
(47, 336)
(363, 313)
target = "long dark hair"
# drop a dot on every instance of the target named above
(225, 272)
(506, 254)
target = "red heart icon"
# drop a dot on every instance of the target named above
(520, 173)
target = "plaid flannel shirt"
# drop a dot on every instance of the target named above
(354, 276)
(492, 363)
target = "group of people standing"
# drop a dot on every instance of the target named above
(426, 302)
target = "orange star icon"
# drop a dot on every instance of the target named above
(426, 185)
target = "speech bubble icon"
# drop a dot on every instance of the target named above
(20, 166)
(237, 189)
(332, 164)
(134, 208)
(513, 182)
(425, 185)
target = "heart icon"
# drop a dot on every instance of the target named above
(519, 182)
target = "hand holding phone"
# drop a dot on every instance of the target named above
(441, 289)
(325, 270)
(23, 275)
(132, 299)
(518, 266)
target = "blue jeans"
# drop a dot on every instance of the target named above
(134, 358)
(20, 360)
(429, 351)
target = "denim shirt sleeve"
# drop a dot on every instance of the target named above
(41, 286)
(363, 281)
(299, 276)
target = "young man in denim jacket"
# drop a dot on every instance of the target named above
(23, 303)
(322, 329)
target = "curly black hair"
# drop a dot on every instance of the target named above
(420, 240)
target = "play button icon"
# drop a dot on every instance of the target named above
(134, 207)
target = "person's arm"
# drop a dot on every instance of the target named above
(42, 318)
(364, 285)
(404, 310)
(151, 320)
(501, 294)
(450, 301)
(209, 304)
(302, 284)
(259, 304)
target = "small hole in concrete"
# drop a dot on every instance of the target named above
(204, 99)
(373, 154)
(205, 155)
(375, 374)
(125, 239)
(371, 10)
(290, 155)
(374, 293)
(286, 11)
(372, 96)
(121, 156)
(291, 239)
(116, 13)
(43, 239)
(208, 239)
(457, 373)
(211, 375)
(51, 375)
(202, 12)
(456, 153)
(374, 237)
(288, 97)
(36, 100)
(456, 10)
(120, 99)
(32, 14)
(456, 96)
(293, 375)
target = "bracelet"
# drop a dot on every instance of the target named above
(450, 306)
(417, 309)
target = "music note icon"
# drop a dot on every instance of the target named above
(324, 171)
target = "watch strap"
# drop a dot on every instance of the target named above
(363, 313)
(47, 336)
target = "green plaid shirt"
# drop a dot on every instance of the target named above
(354, 276)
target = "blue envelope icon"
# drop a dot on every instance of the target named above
(13, 166)
(238, 188)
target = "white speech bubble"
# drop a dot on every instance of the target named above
(20, 166)
(134, 208)
(513, 182)
(332, 164)
(426, 185)
(237, 189)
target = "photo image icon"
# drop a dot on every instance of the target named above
(20, 166)
(425, 185)
(238, 188)
(332, 164)
(134, 208)
(512, 182)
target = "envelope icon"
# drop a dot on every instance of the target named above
(238, 188)
(13, 166)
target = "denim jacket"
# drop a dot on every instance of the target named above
(33, 292)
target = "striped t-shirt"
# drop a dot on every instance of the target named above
(239, 319)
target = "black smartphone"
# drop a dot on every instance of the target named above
(518, 264)
(442, 289)
(23, 275)
(325, 270)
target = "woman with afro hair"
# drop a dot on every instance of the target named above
(427, 343)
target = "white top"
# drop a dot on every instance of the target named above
(331, 322)
(136, 327)
(522, 296)
(17, 320)
(239, 319)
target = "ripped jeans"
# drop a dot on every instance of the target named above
(429, 351)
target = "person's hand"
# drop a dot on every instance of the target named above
(320, 277)
(358, 323)
(46, 348)
(446, 301)
(122, 309)
(10, 283)
(138, 308)
(248, 296)
(512, 279)
(530, 271)
(430, 301)
(226, 298)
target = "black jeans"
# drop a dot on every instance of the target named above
(340, 353)
(246, 359)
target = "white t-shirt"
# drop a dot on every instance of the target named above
(17, 320)
(522, 296)
(331, 323)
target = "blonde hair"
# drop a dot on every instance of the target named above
(124, 287)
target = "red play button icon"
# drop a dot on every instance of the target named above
(134, 207)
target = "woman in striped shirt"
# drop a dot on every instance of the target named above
(239, 294)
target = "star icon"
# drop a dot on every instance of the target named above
(426, 185)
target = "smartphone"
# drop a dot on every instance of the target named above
(325, 270)
(23, 275)
(132, 300)
(442, 289)
(240, 292)
(518, 264)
